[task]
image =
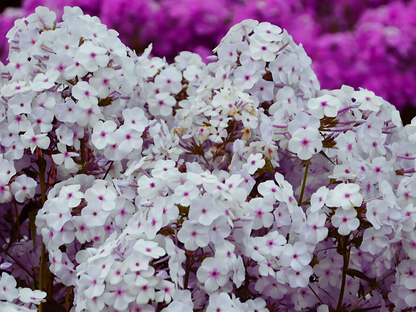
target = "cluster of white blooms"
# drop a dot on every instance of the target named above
(192, 186)
(9, 293)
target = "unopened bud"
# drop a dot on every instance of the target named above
(246, 134)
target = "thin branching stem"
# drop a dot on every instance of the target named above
(371, 289)
(304, 181)
(41, 164)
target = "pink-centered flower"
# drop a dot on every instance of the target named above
(305, 143)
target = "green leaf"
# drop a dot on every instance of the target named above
(32, 226)
(29, 207)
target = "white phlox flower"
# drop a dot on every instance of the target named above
(345, 195)
(213, 273)
(345, 220)
(305, 143)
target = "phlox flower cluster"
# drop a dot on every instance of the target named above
(360, 43)
(131, 184)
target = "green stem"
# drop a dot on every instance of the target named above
(316, 295)
(42, 165)
(368, 309)
(344, 272)
(17, 220)
(185, 285)
(41, 269)
(67, 297)
(304, 181)
(109, 168)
